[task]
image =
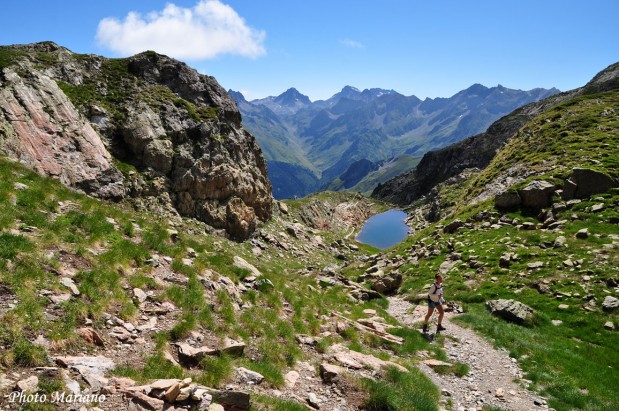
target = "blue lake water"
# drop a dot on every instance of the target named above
(384, 230)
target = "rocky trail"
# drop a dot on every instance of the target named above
(490, 380)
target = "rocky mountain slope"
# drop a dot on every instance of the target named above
(477, 152)
(326, 138)
(107, 308)
(146, 128)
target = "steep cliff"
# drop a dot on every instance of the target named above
(175, 134)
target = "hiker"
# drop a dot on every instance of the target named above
(435, 300)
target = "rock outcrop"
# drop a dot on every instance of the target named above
(175, 133)
(510, 310)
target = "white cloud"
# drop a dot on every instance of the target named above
(207, 30)
(352, 44)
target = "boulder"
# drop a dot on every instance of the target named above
(291, 378)
(510, 310)
(538, 194)
(232, 348)
(232, 400)
(453, 226)
(388, 284)
(330, 372)
(589, 182)
(610, 304)
(242, 264)
(191, 356)
(98, 365)
(249, 376)
(507, 200)
(28, 385)
(582, 233)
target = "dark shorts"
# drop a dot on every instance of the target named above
(433, 304)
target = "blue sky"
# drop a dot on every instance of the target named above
(429, 49)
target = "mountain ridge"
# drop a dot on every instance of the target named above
(326, 136)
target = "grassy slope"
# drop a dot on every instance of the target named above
(575, 363)
(44, 224)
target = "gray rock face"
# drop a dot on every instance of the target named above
(538, 194)
(510, 310)
(507, 199)
(610, 304)
(41, 128)
(71, 115)
(589, 182)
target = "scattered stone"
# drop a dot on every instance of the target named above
(582, 233)
(610, 303)
(242, 264)
(499, 393)
(70, 284)
(537, 264)
(609, 325)
(436, 363)
(291, 378)
(249, 376)
(527, 225)
(172, 392)
(144, 401)
(140, 295)
(29, 385)
(20, 186)
(510, 310)
(330, 372)
(556, 322)
(597, 207)
(90, 336)
(369, 312)
(590, 182)
(233, 348)
(96, 365)
(563, 306)
(283, 207)
(191, 356)
(313, 400)
(120, 333)
(560, 242)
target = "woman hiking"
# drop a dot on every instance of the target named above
(435, 300)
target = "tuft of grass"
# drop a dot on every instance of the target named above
(399, 390)
(217, 370)
(155, 367)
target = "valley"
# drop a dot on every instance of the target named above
(144, 264)
(357, 139)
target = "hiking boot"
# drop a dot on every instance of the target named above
(425, 328)
(440, 328)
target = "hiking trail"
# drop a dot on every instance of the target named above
(490, 380)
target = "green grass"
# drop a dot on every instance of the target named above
(266, 403)
(155, 367)
(398, 390)
(560, 360)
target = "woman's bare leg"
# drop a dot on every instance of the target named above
(440, 314)
(428, 315)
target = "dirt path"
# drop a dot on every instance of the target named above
(490, 380)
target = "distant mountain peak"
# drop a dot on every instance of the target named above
(237, 96)
(292, 97)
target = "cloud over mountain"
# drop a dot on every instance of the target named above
(207, 30)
